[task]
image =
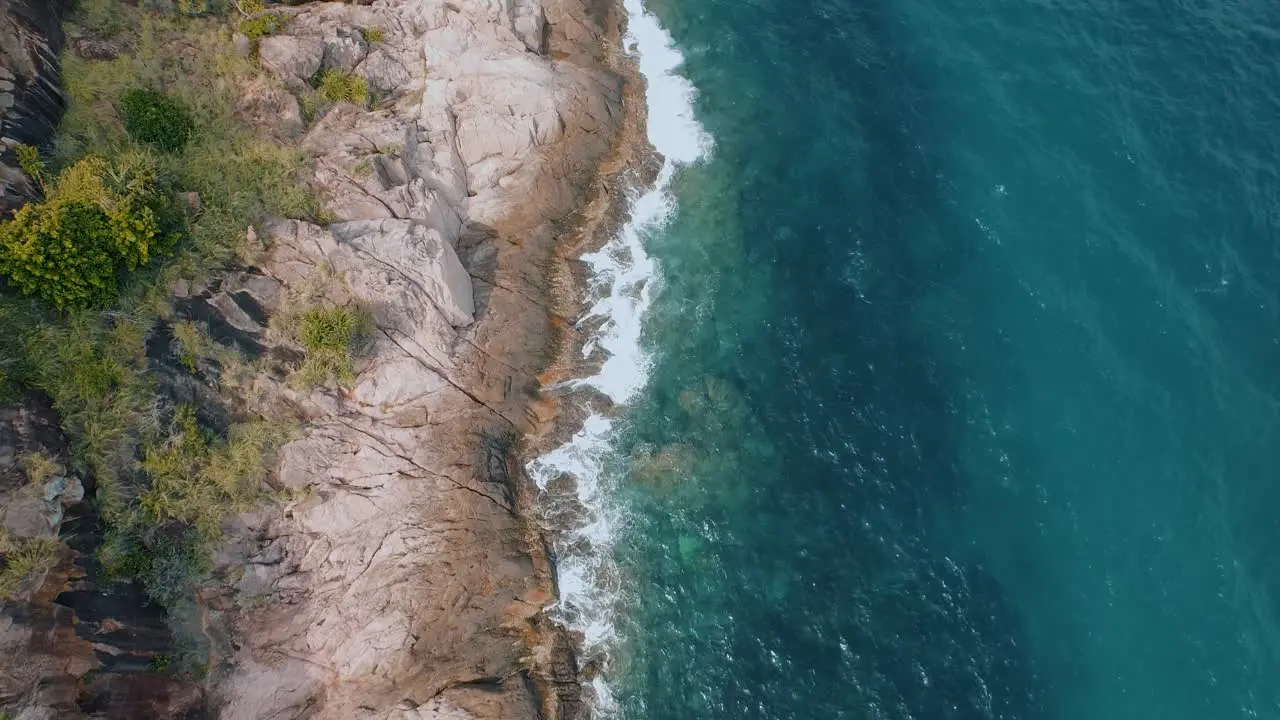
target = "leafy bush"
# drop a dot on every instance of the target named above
(336, 86)
(30, 162)
(96, 223)
(157, 119)
(193, 7)
(371, 35)
(331, 337)
(261, 26)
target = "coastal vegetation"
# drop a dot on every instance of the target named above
(149, 183)
(98, 221)
(156, 119)
(262, 25)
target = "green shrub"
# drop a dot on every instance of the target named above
(335, 86)
(261, 26)
(30, 162)
(96, 223)
(192, 345)
(194, 8)
(155, 118)
(249, 7)
(170, 564)
(371, 35)
(331, 337)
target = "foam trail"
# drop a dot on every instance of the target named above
(621, 271)
(624, 279)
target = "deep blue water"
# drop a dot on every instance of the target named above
(966, 368)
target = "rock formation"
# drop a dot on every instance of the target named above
(401, 579)
(403, 583)
(30, 96)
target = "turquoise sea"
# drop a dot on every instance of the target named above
(947, 362)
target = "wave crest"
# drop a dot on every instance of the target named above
(623, 280)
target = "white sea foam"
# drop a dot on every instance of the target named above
(622, 274)
(624, 279)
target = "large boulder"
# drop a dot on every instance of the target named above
(271, 109)
(293, 59)
(402, 582)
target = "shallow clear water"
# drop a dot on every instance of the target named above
(963, 367)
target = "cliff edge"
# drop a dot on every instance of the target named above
(403, 579)
(31, 99)
(396, 573)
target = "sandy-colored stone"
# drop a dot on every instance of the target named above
(270, 108)
(293, 59)
(400, 584)
(344, 50)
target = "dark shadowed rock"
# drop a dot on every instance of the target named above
(72, 644)
(31, 101)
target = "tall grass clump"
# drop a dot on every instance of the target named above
(22, 561)
(331, 339)
(337, 87)
(263, 25)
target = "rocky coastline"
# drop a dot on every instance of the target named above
(402, 571)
